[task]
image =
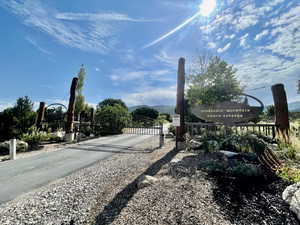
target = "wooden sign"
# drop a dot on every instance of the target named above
(228, 112)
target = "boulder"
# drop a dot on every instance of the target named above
(195, 145)
(22, 146)
(291, 196)
(146, 180)
(229, 154)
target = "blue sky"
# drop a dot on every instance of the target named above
(43, 44)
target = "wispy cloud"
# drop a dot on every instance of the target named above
(97, 36)
(99, 17)
(189, 20)
(35, 44)
(124, 74)
(261, 35)
(224, 49)
(243, 41)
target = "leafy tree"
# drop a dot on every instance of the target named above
(17, 120)
(112, 119)
(80, 100)
(144, 113)
(111, 102)
(216, 83)
(53, 116)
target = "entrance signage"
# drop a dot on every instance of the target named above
(228, 112)
(176, 120)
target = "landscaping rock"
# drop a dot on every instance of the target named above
(291, 196)
(22, 146)
(195, 145)
(146, 180)
(229, 154)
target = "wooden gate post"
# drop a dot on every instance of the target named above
(180, 131)
(40, 116)
(70, 114)
(281, 111)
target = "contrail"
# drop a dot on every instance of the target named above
(174, 30)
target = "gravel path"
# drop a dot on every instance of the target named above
(74, 197)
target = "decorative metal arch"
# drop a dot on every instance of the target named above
(59, 104)
(256, 99)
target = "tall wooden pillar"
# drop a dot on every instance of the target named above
(40, 116)
(281, 110)
(71, 110)
(180, 131)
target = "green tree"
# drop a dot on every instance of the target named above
(80, 99)
(111, 102)
(215, 83)
(144, 113)
(112, 119)
(17, 120)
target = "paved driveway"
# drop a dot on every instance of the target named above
(23, 175)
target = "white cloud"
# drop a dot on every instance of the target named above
(4, 104)
(97, 69)
(286, 34)
(225, 48)
(261, 35)
(265, 69)
(243, 41)
(152, 96)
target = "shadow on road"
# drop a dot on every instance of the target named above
(114, 208)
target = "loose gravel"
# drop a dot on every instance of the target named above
(71, 200)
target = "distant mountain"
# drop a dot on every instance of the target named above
(294, 106)
(160, 108)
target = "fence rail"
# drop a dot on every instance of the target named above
(201, 128)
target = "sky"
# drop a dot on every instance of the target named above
(130, 49)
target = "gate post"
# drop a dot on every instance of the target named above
(40, 116)
(70, 115)
(161, 136)
(281, 111)
(180, 131)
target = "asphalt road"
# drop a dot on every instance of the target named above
(26, 174)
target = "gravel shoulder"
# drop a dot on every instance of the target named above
(181, 194)
(74, 197)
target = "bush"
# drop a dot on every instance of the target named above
(172, 130)
(34, 137)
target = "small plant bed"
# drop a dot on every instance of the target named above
(245, 191)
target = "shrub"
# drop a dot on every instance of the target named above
(243, 169)
(211, 146)
(34, 136)
(289, 174)
(214, 166)
(172, 129)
